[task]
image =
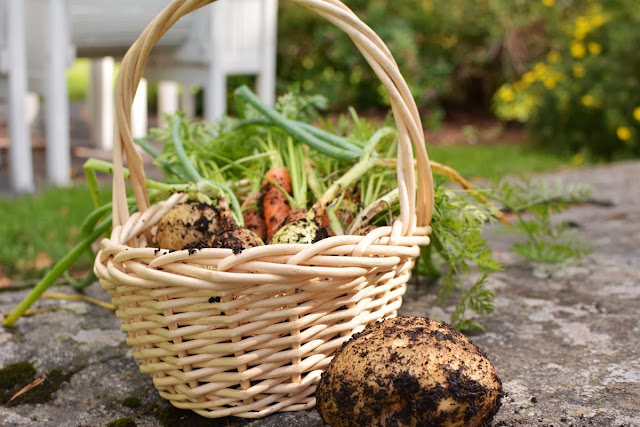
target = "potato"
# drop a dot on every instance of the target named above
(409, 371)
(186, 223)
(235, 238)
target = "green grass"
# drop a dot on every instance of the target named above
(490, 161)
(38, 226)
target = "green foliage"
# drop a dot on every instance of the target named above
(533, 204)
(457, 239)
(447, 50)
(580, 96)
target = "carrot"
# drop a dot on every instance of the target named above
(325, 221)
(254, 216)
(295, 215)
(275, 202)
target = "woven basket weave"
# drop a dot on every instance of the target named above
(249, 334)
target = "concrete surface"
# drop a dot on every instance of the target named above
(564, 339)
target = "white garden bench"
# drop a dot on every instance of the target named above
(40, 38)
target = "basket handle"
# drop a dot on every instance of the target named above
(416, 207)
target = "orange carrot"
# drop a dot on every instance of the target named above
(275, 203)
(295, 215)
(253, 216)
(325, 221)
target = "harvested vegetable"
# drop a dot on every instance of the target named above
(235, 238)
(275, 202)
(409, 371)
(253, 216)
(187, 223)
(295, 215)
(309, 229)
(231, 235)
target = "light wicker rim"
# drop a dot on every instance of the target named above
(416, 207)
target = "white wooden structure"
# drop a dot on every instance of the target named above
(40, 38)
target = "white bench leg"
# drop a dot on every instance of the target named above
(167, 100)
(101, 107)
(139, 111)
(57, 130)
(20, 159)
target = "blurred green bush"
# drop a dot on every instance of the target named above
(568, 69)
(449, 51)
(583, 96)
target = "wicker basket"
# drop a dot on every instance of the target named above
(249, 334)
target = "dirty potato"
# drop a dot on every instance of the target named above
(187, 223)
(409, 371)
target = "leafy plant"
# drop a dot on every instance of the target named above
(459, 246)
(533, 203)
(580, 96)
(446, 50)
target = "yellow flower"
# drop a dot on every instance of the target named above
(588, 100)
(578, 70)
(577, 49)
(528, 77)
(540, 69)
(583, 26)
(636, 113)
(553, 57)
(550, 82)
(548, 3)
(594, 48)
(519, 85)
(597, 20)
(506, 94)
(623, 133)
(577, 159)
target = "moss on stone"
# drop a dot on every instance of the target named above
(131, 402)
(122, 422)
(17, 376)
(173, 417)
(44, 391)
(13, 378)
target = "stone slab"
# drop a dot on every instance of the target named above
(564, 339)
